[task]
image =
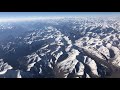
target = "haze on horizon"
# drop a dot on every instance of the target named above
(12, 16)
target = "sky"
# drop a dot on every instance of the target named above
(45, 14)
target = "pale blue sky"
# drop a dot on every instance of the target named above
(32, 14)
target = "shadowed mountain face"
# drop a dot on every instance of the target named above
(60, 48)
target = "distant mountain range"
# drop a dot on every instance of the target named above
(60, 48)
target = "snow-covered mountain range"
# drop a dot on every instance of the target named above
(75, 47)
